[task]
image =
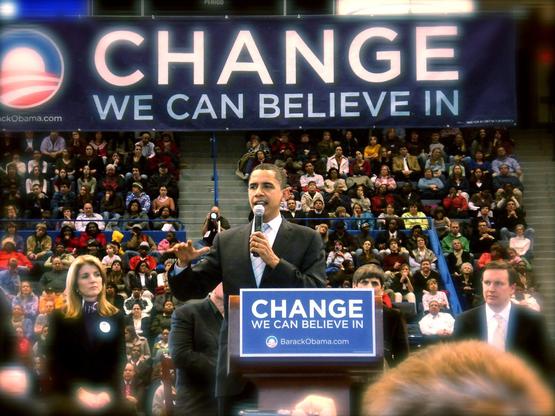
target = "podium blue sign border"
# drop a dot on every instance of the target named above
(266, 294)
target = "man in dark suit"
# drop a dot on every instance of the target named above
(194, 350)
(284, 255)
(395, 335)
(503, 324)
(292, 213)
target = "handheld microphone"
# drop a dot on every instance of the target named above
(258, 211)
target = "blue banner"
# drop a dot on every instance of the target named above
(257, 73)
(307, 323)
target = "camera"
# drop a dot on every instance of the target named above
(213, 216)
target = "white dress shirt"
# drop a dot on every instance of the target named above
(433, 324)
(492, 322)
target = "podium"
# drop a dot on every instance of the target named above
(283, 380)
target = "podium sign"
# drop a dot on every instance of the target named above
(307, 323)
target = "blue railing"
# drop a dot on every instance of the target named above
(214, 155)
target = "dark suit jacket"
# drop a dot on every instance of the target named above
(526, 334)
(194, 350)
(302, 265)
(78, 355)
(395, 337)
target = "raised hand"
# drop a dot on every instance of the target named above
(185, 252)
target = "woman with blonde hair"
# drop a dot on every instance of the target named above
(86, 344)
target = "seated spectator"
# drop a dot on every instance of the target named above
(414, 217)
(322, 229)
(430, 187)
(115, 275)
(498, 252)
(89, 166)
(100, 146)
(479, 182)
(165, 221)
(36, 202)
(37, 160)
(482, 240)
(112, 180)
(10, 279)
(92, 232)
(137, 297)
(436, 163)
(163, 200)
(55, 279)
(420, 278)
(393, 258)
(62, 200)
(140, 322)
(372, 149)
(88, 180)
(454, 233)
(503, 159)
(293, 214)
(164, 294)
(457, 256)
(436, 323)
(310, 196)
(420, 253)
(401, 285)
(339, 162)
(132, 340)
(28, 300)
(432, 294)
(311, 176)
(407, 195)
(113, 296)
(360, 217)
(392, 232)
(505, 177)
(135, 159)
(520, 243)
(143, 370)
(468, 286)
(134, 216)
(39, 245)
(340, 233)
(88, 215)
(60, 251)
(334, 182)
(162, 320)
(161, 347)
(130, 390)
(336, 257)
(385, 159)
(133, 245)
(360, 166)
(523, 298)
(507, 220)
(479, 162)
(456, 204)
(381, 199)
(163, 179)
(384, 178)
(12, 234)
(406, 167)
(367, 255)
(142, 274)
(68, 239)
(52, 145)
(136, 176)
(137, 194)
(36, 178)
(42, 318)
(67, 163)
(111, 255)
(385, 216)
(361, 198)
(19, 320)
(112, 208)
(318, 212)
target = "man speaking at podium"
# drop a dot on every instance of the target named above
(280, 255)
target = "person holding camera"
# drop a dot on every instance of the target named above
(213, 224)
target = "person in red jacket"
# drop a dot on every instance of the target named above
(8, 252)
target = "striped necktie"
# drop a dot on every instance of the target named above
(258, 264)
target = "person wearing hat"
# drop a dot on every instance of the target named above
(137, 194)
(140, 247)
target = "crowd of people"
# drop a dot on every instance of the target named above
(369, 198)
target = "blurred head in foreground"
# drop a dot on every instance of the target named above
(465, 378)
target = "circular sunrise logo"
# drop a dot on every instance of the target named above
(31, 68)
